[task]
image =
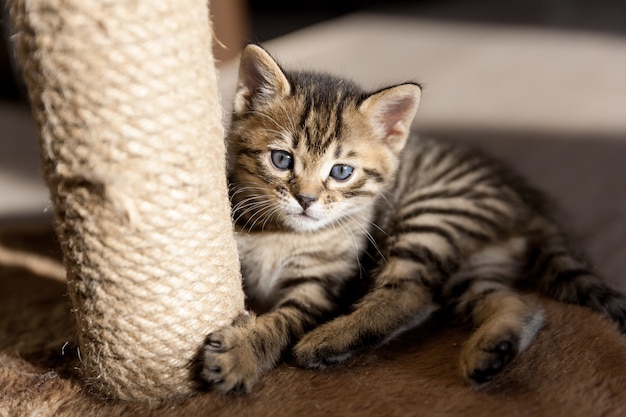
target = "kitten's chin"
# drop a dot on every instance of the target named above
(304, 223)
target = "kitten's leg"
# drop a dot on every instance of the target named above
(399, 301)
(505, 321)
(235, 356)
(560, 273)
(424, 246)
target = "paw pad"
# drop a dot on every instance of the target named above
(229, 362)
(494, 359)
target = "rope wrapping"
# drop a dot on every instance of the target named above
(124, 94)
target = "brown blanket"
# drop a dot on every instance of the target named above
(575, 367)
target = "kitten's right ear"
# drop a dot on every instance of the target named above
(260, 79)
(390, 112)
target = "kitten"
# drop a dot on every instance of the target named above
(328, 186)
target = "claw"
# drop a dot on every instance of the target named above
(214, 342)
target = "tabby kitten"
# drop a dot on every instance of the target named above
(326, 178)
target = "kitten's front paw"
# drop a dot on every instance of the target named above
(229, 362)
(326, 345)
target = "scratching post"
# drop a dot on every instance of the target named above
(125, 98)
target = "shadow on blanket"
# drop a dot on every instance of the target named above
(575, 367)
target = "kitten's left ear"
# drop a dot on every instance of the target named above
(391, 112)
(260, 79)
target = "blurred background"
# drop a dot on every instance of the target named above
(539, 83)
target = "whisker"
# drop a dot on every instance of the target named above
(346, 229)
(371, 239)
(269, 215)
(253, 198)
(384, 197)
(251, 207)
(276, 132)
(288, 117)
(267, 116)
(259, 215)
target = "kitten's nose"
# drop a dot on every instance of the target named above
(305, 200)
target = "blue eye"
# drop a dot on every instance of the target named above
(341, 172)
(282, 160)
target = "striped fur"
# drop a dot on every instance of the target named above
(429, 225)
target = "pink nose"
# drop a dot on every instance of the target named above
(305, 200)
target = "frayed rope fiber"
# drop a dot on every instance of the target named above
(124, 94)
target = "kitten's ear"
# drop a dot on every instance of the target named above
(260, 79)
(391, 112)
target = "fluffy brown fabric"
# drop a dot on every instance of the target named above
(575, 367)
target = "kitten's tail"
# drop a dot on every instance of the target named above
(559, 272)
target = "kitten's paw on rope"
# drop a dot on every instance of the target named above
(229, 361)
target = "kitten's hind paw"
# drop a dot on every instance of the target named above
(495, 344)
(489, 362)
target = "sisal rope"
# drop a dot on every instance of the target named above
(124, 94)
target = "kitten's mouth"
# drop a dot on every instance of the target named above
(304, 222)
(304, 215)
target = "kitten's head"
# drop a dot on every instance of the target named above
(308, 150)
